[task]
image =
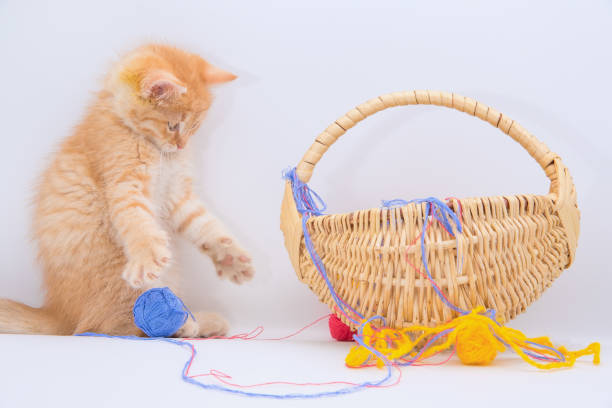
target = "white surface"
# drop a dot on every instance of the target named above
(545, 64)
(77, 372)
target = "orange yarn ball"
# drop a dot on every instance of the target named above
(476, 345)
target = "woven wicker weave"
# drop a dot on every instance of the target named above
(512, 247)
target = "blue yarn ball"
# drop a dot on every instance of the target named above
(159, 313)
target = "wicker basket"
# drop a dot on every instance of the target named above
(512, 247)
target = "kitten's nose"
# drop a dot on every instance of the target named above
(180, 143)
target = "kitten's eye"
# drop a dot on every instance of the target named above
(173, 127)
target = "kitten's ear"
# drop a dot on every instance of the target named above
(161, 86)
(214, 75)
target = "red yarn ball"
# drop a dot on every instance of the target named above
(339, 330)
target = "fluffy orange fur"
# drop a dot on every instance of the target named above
(117, 193)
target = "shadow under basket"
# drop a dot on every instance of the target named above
(510, 250)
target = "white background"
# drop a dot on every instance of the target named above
(545, 64)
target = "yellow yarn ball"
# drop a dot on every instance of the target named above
(476, 345)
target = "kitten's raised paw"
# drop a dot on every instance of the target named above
(232, 262)
(146, 266)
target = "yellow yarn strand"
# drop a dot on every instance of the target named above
(476, 337)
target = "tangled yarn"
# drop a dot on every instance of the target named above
(160, 313)
(477, 337)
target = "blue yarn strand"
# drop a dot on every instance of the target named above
(424, 254)
(447, 217)
(554, 350)
(306, 200)
(309, 203)
(424, 349)
(159, 302)
(187, 379)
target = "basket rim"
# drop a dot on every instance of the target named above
(561, 195)
(549, 196)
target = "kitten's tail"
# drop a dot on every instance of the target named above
(17, 318)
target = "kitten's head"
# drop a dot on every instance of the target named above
(163, 93)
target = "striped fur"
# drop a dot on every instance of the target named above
(117, 193)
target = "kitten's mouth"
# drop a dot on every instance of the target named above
(169, 148)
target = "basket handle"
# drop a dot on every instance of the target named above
(562, 188)
(536, 149)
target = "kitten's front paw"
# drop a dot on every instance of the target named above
(232, 262)
(147, 264)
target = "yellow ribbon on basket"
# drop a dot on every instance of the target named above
(477, 339)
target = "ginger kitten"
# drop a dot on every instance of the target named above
(115, 195)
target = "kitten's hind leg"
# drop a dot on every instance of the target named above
(211, 324)
(206, 324)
